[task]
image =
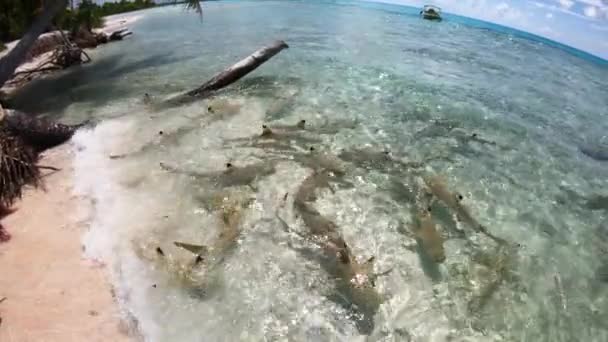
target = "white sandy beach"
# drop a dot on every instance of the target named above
(48, 290)
(52, 293)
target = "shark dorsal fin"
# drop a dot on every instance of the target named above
(266, 131)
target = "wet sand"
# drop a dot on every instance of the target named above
(52, 292)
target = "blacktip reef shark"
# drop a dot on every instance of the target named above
(430, 239)
(231, 214)
(355, 280)
(232, 175)
(333, 127)
(437, 188)
(598, 153)
(286, 134)
(382, 160)
(184, 272)
(318, 179)
(196, 273)
(278, 128)
(501, 264)
(319, 160)
(278, 137)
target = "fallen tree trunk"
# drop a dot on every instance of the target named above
(65, 54)
(119, 35)
(40, 134)
(16, 56)
(232, 74)
(83, 38)
(45, 43)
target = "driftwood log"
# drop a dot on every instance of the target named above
(83, 38)
(66, 52)
(232, 74)
(22, 139)
(46, 42)
(39, 133)
(119, 35)
(86, 39)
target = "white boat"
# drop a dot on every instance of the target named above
(431, 12)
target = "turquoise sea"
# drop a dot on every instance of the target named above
(513, 123)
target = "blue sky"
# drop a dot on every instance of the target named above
(582, 24)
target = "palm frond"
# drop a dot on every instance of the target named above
(17, 166)
(194, 5)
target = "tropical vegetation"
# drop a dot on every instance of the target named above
(23, 137)
(28, 19)
(109, 8)
(17, 15)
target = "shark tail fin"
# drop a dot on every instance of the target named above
(196, 249)
(375, 276)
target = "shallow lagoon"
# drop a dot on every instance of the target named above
(419, 89)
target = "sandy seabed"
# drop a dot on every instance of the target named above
(51, 292)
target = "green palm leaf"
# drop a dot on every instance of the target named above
(194, 5)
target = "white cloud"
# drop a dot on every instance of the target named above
(489, 10)
(564, 21)
(560, 9)
(591, 11)
(594, 8)
(546, 30)
(566, 3)
(501, 7)
(599, 28)
(504, 11)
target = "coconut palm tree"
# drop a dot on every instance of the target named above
(194, 5)
(15, 57)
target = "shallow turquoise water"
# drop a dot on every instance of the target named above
(398, 76)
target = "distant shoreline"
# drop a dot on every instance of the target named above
(112, 23)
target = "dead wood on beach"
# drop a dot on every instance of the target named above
(17, 166)
(39, 133)
(231, 74)
(22, 139)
